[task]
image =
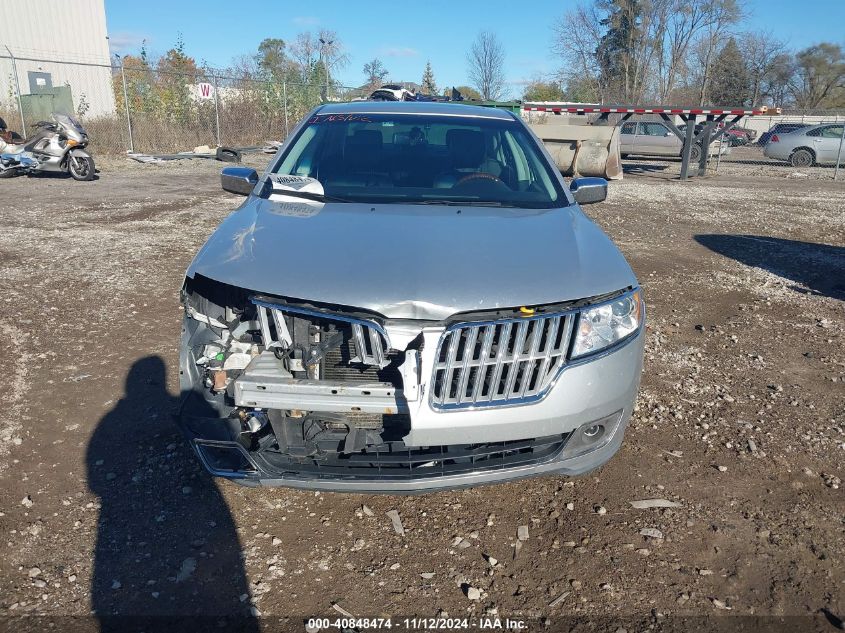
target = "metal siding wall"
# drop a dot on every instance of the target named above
(70, 30)
(62, 30)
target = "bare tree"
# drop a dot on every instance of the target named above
(375, 73)
(576, 38)
(760, 50)
(305, 50)
(776, 85)
(684, 21)
(486, 61)
(309, 49)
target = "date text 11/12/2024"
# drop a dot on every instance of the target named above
(416, 624)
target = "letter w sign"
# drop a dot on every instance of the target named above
(206, 91)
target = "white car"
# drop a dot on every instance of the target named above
(653, 138)
(805, 147)
(385, 316)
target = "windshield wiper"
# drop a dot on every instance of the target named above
(466, 203)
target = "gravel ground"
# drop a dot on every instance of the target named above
(740, 423)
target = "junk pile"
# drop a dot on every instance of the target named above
(223, 153)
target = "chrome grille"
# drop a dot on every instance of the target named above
(494, 363)
(369, 349)
(368, 338)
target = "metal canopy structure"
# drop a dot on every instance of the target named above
(708, 134)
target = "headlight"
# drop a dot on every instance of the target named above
(603, 325)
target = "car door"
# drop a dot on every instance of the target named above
(627, 136)
(826, 144)
(659, 139)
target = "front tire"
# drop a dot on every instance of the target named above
(802, 158)
(80, 167)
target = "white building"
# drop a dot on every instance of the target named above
(56, 44)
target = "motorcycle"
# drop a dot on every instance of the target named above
(55, 147)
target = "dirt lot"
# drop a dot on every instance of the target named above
(741, 421)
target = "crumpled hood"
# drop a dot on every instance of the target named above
(413, 261)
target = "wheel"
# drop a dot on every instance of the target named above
(695, 153)
(8, 173)
(81, 167)
(802, 158)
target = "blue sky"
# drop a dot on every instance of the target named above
(406, 34)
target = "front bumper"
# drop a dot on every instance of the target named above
(568, 467)
(586, 391)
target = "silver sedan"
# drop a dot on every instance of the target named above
(816, 145)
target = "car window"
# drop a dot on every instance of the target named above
(816, 132)
(629, 128)
(653, 129)
(831, 131)
(418, 158)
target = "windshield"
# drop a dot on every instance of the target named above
(68, 121)
(423, 159)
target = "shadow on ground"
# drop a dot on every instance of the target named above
(167, 551)
(818, 268)
(642, 168)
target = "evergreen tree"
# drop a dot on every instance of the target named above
(429, 86)
(616, 50)
(731, 84)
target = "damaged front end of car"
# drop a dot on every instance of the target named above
(282, 392)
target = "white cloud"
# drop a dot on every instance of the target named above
(306, 20)
(399, 51)
(122, 41)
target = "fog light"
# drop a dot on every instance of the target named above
(592, 436)
(593, 430)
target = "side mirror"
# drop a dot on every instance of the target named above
(588, 190)
(240, 180)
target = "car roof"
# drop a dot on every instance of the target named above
(824, 124)
(415, 107)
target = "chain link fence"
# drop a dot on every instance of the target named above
(141, 109)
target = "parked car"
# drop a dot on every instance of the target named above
(409, 298)
(816, 144)
(735, 137)
(654, 138)
(780, 128)
(748, 133)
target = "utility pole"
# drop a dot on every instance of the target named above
(839, 153)
(324, 58)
